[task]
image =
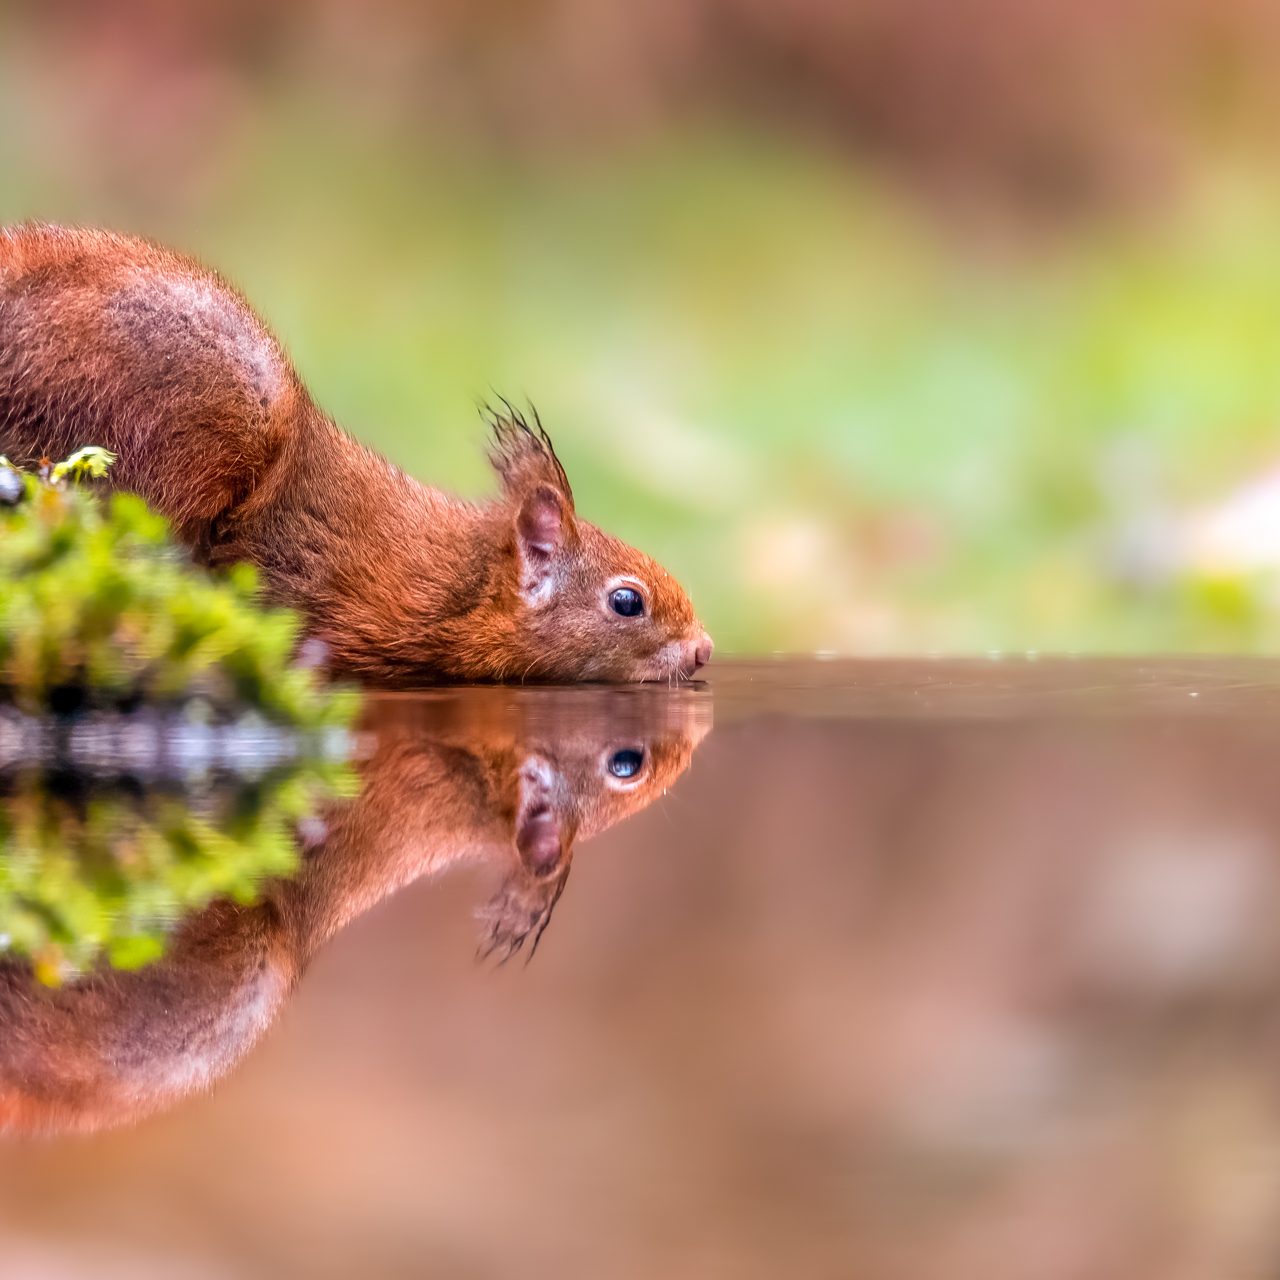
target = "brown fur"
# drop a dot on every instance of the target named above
(447, 782)
(113, 341)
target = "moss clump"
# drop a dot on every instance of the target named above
(94, 873)
(100, 607)
(198, 745)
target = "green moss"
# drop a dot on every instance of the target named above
(198, 745)
(103, 874)
(99, 605)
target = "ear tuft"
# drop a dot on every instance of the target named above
(519, 913)
(523, 455)
(521, 909)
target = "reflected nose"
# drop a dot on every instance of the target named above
(702, 651)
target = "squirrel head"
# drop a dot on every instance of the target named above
(567, 785)
(576, 603)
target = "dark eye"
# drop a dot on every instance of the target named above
(626, 601)
(626, 763)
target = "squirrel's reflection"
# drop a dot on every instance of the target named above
(486, 775)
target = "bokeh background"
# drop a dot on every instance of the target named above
(890, 325)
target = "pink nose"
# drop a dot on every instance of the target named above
(702, 651)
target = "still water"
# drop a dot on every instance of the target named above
(909, 969)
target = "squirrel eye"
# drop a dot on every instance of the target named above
(627, 602)
(626, 763)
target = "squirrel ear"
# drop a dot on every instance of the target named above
(539, 840)
(521, 909)
(522, 454)
(541, 526)
(519, 913)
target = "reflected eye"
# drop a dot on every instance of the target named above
(626, 763)
(627, 602)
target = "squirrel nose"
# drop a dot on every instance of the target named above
(702, 653)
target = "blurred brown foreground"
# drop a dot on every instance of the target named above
(922, 970)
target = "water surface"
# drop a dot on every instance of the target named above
(906, 969)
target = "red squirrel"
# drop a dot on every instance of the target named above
(113, 341)
(482, 780)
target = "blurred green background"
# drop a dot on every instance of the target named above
(889, 325)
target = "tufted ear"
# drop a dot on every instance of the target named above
(523, 455)
(542, 526)
(539, 838)
(519, 913)
(521, 909)
(541, 522)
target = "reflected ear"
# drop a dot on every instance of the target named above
(518, 914)
(521, 909)
(539, 840)
(541, 528)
